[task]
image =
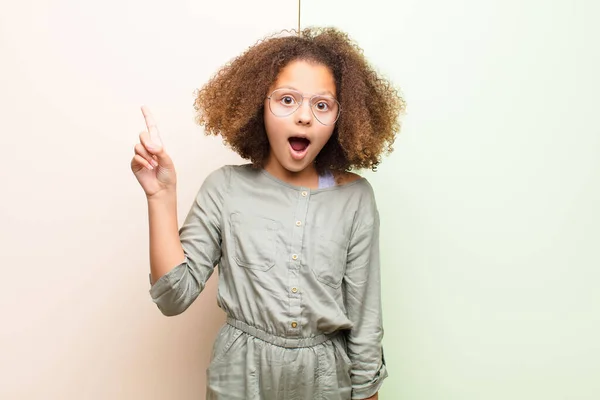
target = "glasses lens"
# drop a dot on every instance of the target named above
(284, 102)
(326, 109)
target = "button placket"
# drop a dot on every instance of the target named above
(294, 293)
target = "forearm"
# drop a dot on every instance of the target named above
(166, 251)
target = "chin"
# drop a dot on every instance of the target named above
(295, 167)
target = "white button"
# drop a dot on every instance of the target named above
(298, 223)
(295, 256)
(304, 193)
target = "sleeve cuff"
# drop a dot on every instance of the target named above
(165, 283)
(365, 391)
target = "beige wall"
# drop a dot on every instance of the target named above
(77, 321)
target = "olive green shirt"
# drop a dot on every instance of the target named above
(293, 261)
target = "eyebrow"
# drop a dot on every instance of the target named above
(319, 93)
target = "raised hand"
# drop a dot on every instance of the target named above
(151, 164)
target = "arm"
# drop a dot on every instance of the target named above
(165, 247)
(183, 261)
(363, 305)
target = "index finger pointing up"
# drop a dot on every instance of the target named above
(151, 125)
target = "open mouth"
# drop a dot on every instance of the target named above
(299, 146)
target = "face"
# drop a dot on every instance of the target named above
(297, 138)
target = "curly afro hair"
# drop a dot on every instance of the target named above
(231, 104)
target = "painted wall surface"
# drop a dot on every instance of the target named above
(77, 321)
(490, 203)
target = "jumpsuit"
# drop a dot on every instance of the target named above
(299, 280)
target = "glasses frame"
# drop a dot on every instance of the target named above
(310, 101)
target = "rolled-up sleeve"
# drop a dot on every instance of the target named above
(363, 305)
(200, 237)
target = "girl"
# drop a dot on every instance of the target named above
(295, 235)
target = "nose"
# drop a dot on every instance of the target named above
(304, 115)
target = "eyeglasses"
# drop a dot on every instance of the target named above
(284, 102)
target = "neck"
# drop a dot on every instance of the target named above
(308, 177)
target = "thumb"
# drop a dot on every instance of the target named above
(157, 151)
(160, 155)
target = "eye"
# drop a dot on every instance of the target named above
(322, 106)
(288, 100)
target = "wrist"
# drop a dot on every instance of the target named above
(165, 195)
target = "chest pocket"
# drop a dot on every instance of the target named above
(254, 240)
(328, 263)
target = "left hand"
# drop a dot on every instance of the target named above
(374, 397)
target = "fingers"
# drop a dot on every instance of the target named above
(141, 161)
(152, 142)
(151, 125)
(156, 153)
(141, 151)
(149, 145)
